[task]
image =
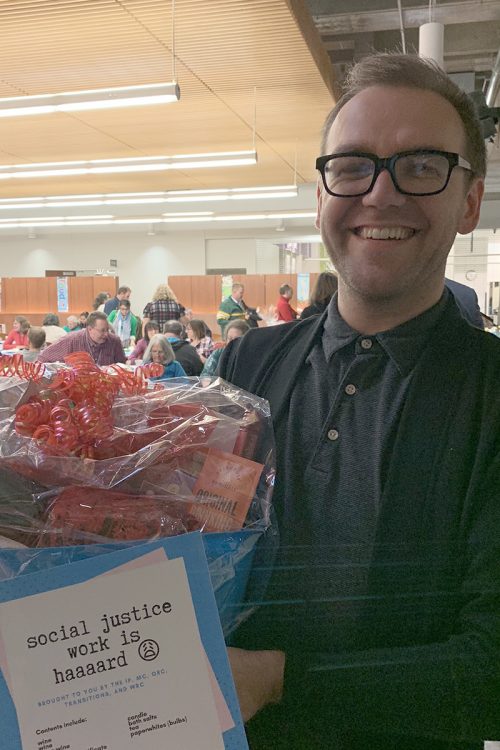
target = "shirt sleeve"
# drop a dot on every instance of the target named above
(10, 341)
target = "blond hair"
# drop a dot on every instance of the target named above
(163, 291)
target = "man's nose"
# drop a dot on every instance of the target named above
(384, 192)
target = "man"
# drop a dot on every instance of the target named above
(185, 354)
(104, 347)
(232, 307)
(467, 301)
(284, 311)
(123, 292)
(125, 324)
(36, 338)
(381, 628)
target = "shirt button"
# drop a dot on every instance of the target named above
(333, 435)
(350, 389)
(366, 343)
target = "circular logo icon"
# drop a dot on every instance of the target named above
(148, 649)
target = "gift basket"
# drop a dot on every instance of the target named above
(92, 460)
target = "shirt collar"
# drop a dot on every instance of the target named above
(403, 344)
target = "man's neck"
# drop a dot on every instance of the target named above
(371, 317)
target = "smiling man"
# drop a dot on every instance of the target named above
(381, 625)
(104, 347)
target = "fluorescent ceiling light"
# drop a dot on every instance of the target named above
(77, 101)
(170, 218)
(133, 164)
(168, 196)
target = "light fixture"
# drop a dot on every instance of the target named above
(167, 218)
(79, 101)
(126, 165)
(149, 198)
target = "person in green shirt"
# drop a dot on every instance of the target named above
(124, 323)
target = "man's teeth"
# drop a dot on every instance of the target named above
(385, 233)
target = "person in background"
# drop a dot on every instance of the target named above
(197, 334)
(36, 337)
(124, 323)
(235, 329)
(18, 337)
(150, 329)
(72, 324)
(160, 352)
(53, 329)
(100, 301)
(381, 625)
(324, 289)
(164, 306)
(104, 347)
(232, 307)
(82, 319)
(184, 352)
(284, 311)
(113, 303)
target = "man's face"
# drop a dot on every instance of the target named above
(99, 332)
(238, 294)
(383, 121)
(123, 295)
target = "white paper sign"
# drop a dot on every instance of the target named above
(111, 664)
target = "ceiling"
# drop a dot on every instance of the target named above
(252, 73)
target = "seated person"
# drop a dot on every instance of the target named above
(197, 334)
(150, 329)
(72, 324)
(124, 323)
(82, 318)
(160, 352)
(234, 330)
(184, 352)
(36, 337)
(53, 329)
(103, 346)
(18, 337)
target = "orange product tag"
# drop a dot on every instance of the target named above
(224, 489)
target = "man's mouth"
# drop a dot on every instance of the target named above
(384, 233)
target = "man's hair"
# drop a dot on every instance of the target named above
(160, 340)
(51, 319)
(123, 289)
(36, 337)
(124, 303)
(173, 326)
(240, 325)
(163, 291)
(411, 71)
(94, 317)
(284, 288)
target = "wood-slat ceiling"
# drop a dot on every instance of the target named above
(225, 49)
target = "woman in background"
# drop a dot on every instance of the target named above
(324, 289)
(197, 334)
(164, 306)
(150, 329)
(160, 352)
(100, 300)
(18, 337)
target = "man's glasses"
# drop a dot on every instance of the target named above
(422, 172)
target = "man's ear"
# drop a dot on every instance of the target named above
(319, 200)
(472, 206)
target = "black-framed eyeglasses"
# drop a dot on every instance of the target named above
(420, 172)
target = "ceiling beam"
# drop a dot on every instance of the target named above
(464, 11)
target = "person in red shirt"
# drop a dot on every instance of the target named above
(18, 337)
(284, 310)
